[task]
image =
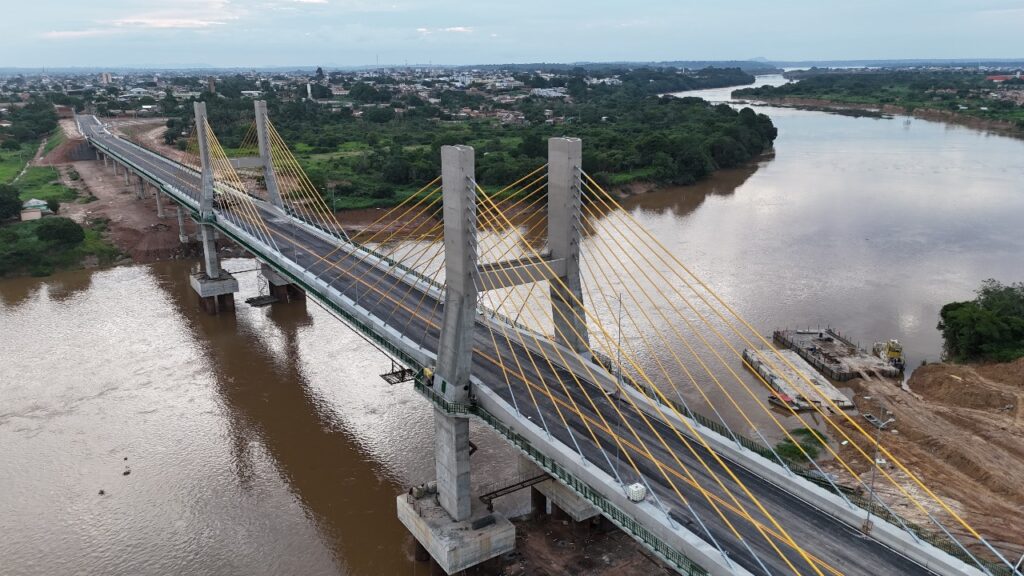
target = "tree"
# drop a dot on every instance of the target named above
(989, 327)
(320, 92)
(379, 115)
(319, 73)
(10, 203)
(61, 231)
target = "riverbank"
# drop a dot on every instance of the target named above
(960, 428)
(1001, 127)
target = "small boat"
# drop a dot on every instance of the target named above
(783, 401)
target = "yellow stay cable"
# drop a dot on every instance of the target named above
(907, 494)
(696, 435)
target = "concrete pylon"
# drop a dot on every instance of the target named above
(159, 204)
(565, 159)
(215, 287)
(263, 137)
(206, 231)
(454, 360)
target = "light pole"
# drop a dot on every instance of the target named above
(874, 465)
(618, 391)
(871, 490)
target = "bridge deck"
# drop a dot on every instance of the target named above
(417, 314)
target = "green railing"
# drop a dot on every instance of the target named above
(608, 509)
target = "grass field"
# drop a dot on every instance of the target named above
(12, 161)
(42, 182)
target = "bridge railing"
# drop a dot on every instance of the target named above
(608, 509)
(940, 541)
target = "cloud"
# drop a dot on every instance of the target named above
(448, 30)
(72, 34)
(165, 22)
(310, 1)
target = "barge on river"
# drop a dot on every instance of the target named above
(834, 356)
(795, 382)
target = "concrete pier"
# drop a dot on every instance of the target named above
(216, 295)
(280, 287)
(455, 545)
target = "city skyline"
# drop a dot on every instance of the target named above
(352, 33)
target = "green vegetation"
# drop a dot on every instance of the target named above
(55, 139)
(381, 144)
(990, 327)
(810, 441)
(964, 93)
(13, 160)
(30, 122)
(42, 182)
(10, 202)
(39, 247)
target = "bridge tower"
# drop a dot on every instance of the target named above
(214, 286)
(454, 358)
(280, 287)
(565, 170)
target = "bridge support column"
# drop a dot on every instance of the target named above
(116, 167)
(127, 176)
(140, 192)
(280, 287)
(106, 160)
(159, 203)
(182, 234)
(563, 501)
(216, 288)
(565, 158)
(263, 138)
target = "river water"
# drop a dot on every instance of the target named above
(267, 444)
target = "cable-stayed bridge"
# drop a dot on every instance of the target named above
(490, 301)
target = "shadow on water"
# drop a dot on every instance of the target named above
(61, 287)
(268, 400)
(684, 200)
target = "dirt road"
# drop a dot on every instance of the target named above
(961, 430)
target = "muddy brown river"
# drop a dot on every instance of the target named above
(266, 443)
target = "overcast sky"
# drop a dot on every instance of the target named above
(361, 32)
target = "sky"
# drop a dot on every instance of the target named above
(336, 33)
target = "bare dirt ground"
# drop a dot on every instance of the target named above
(133, 224)
(960, 429)
(549, 547)
(148, 133)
